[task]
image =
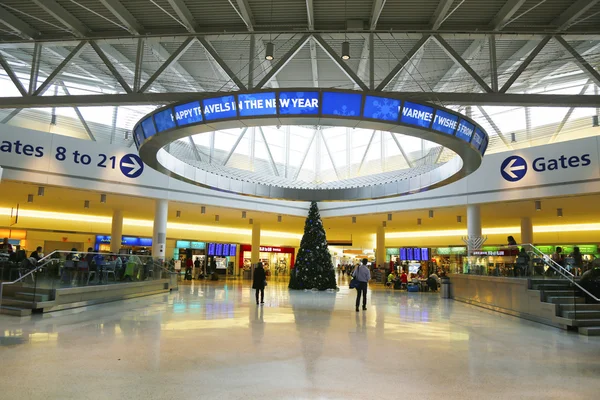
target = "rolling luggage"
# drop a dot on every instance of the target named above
(413, 288)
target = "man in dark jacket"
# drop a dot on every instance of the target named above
(259, 282)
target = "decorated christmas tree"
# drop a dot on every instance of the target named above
(314, 267)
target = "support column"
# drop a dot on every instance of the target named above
(159, 235)
(116, 231)
(526, 231)
(474, 239)
(254, 258)
(380, 249)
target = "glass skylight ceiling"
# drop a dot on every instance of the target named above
(310, 157)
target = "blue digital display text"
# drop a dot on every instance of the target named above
(381, 108)
(296, 103)
(465, 130)
(189, 113)
(219, 108)
(257, 104)
(444, 122)
(417, 114)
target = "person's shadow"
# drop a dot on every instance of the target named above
(257, 323)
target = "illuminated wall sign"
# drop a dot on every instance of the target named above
(465, 130)
(417, 114)
(381, 108)
(263, 103)
(445, 122)
(164, 120)
(341, 104)
(219, 108)
(189, 113)
(478, 139)
(297, 103)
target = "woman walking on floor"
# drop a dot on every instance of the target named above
(259, 282)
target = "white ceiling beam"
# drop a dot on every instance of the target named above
(405, 60)
(310, 13)
(222, 65)
(245, 13)
(184, 15)
(86, 127)
(313, 63)
(505, 14)
(376, 13)
(50, 79)
(124, 16)
(524, 65)
(580, 61)
(111, 67)
(571, 14)
(440, 14)
(283, 61)
(338, 60)
(168, 62)
(64, 17)
(15, 80)
(22, 28)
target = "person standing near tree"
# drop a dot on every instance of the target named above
(363, 276)
(259, 282)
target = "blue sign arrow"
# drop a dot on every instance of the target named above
(514, 168)
(131, 165)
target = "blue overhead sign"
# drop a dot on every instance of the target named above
(514, 168)
(313, 103)
(382, 108)
(417, 114)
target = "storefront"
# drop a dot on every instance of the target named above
(221, 258)
(277, 261)
(129, 245)
(185, 249)
(410, 259)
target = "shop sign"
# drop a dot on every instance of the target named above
(270, 249)
(392, 251)
(444, 251)
(126, 241)
(493, 253)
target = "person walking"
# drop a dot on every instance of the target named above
(363, 276)
(259, 282)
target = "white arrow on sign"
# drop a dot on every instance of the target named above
(135, 166)
(511, 167)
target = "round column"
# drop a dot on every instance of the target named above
(159, 235)
(526, 231)
(380, 247)
(116, 231)
(474, 238)
(255, 256)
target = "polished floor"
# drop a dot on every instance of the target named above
(211, 341)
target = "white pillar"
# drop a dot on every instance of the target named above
(473, 220)
(380, 247)
(255, 255)
(159, 235)
(526, 231)
(116, 231)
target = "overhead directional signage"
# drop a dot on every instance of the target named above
(514, 168)
(131, 165)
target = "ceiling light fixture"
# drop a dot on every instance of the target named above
(41, 191)
(202, 210)
(178, 214)
(538, 205)
(251, 221)
(389, 217)
(345, 50)
(30, 198)
(86, 204)
(384, 224)
(559, 212)
(279, 218)
(269, 52)
(353, 220)
(419, 221)
(103, 198)
(430, 213)
(459, 219)
(243, 214)
(216, 218)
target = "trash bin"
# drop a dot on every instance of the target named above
(445, 290)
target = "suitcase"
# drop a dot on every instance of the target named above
(413, 288)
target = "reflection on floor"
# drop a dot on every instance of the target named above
(210, 340)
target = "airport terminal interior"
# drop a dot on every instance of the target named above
(194, 196)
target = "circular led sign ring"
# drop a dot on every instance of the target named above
(315, 107)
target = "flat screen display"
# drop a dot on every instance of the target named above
(139, 135)
(483, 147)
(445, 122)
(417, 254)
(417, 114)
(410, 254)
(424, 254)
(219, 249)
(164, 120)
(381, 108)
(465, 130)
(219, 107)
(189, 113)
(257, 104)
(403, 254)
(225, 252)
(149, 129)
(477, 138)
(232, 248)
(341, 104)
(211, 249)
(298, 103)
